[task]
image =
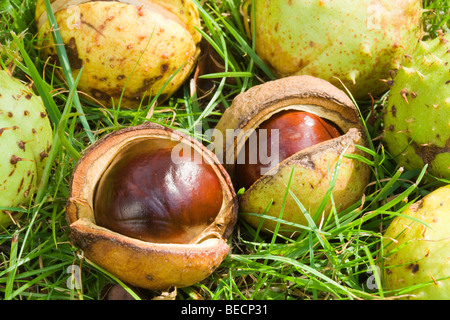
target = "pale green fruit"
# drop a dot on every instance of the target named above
(358, 42)
(25, 140)
(417, 248)
(417, 118)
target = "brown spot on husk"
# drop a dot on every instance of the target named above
(21, 144)
(43, 155)
(20, 185)
(394, 111)
(146, 87)
(14, 159)
(428, 152)
(414, 267)
(72, 54)
(100, 95)
(164, 68)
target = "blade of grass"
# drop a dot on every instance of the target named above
(42, 274)
(319, 235)
(12, 264)
(213, 102)
(375, 271)
(64, 61)
(334, 176)
(18, 257)
(404, 194)
(41, 86)
(42, 191)
(249, 50)
(62, 136)
(283, 205)
(240, 40)
(127, 288)
(227, 74)
(307, 270)
(54, 150)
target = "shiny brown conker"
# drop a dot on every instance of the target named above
(145, 194)
(297, 130)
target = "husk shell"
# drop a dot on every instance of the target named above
(26, 137)
(314, 166)
(417, 114)
(356, 42)
(128, 50)
(416, 249)
(139, 263)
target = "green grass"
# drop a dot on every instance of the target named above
(335, 261)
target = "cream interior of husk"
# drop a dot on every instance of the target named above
(97, 161)
(322, 112)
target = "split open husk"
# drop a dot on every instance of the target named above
(312, 168)
(139, 263)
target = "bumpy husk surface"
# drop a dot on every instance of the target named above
(312, 167)
(25, 141)
(128, 49)
(358, 42)
(417, 118)
(417, 249)
(139, 263)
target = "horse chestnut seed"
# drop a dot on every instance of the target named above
(144, 194)
(297, 131)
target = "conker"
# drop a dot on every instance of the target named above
(297, 130)
(147, 195)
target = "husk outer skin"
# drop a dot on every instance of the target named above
(357, 43)
(128, 52)
(26, 137)
(313, 166)
(311, 176)
(417, 114)
(417, 252)
(143, 264)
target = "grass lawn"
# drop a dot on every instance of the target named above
(334, 262)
